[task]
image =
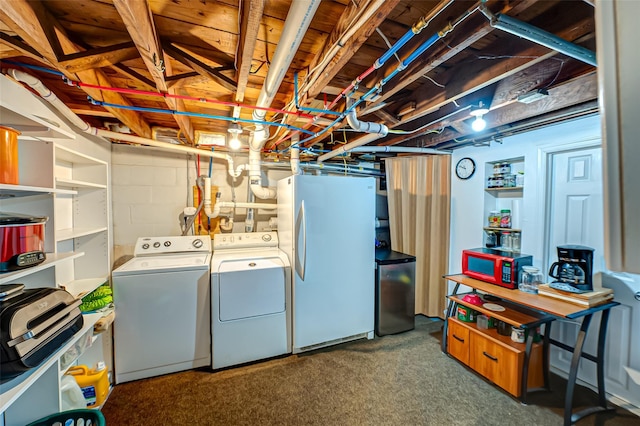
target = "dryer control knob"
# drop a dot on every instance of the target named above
(145, 246)
(266, 237)
(197, 243)
(156, 244)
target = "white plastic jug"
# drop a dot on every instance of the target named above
(70, 394)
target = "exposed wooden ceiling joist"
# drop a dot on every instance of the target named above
(23, 18)
(138, 20)
(21, 47)
(249, 26)
(99, 57)
(201, 68)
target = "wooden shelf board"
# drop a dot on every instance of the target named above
(511, 314)
(11, 390)
(492, 334)
(506, 189)
(51, 260)
(534, 301)
(489, 228)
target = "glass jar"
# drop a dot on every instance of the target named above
(530, 279)
(491, 182)
(520, 179)
(507, 243)
(496, 169)
(515, 241)
(505, 218)
(509, 181)
(492, 239)
(498, 181)
(494, 219)
(505, 168)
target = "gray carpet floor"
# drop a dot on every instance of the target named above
(401, 379)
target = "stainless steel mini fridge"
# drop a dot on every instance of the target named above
(395, 292)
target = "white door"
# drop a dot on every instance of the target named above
(576, 217)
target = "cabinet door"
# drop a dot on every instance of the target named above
(500, 365)
(458, 341)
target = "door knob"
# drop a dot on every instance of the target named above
(637, 296)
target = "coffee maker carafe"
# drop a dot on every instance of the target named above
(574, 267)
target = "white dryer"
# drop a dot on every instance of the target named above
(250, 298)
(162, 298)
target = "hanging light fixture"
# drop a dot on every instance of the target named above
(234, 131)
(478, 111)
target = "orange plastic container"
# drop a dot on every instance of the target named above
(8, 155)
(94, 383)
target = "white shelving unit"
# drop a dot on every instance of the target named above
(71, 189)
(496, 199)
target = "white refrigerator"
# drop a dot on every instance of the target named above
(326, 226)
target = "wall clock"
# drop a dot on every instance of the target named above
(465, 168)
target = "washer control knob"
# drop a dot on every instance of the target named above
(266, 237)
(197, 243)
(145, 246)
(156, 244)
(167, 243)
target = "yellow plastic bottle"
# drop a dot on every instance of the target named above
(94, 383)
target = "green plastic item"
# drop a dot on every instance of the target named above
(90, 417)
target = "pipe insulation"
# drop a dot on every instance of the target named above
(50, 97)
(539, 36)
(298, 20)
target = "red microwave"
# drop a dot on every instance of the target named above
(494, 266)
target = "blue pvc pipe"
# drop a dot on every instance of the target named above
(396, 46)
(421, 49)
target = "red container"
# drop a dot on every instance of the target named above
(21, 241)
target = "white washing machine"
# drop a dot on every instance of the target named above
(162, 302)
(250, 298)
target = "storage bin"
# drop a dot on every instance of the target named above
(8, 155)
(84, 416)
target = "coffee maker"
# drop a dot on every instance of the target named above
(574, 269)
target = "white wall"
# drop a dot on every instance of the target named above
(150, 188)
(468, 216)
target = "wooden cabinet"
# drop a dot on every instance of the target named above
(495, 357)
(458, 341)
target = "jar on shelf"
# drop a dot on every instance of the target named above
(507, 242)
(491, 182)
(492, 239)
(516, 241)
(505, 168)
(494, 219)
(505, 218)
(496, 169)
(520, 179)
(498, 181)
(509, 181)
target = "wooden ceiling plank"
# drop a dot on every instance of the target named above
(99, 57)
(21, 47)
(24, 19)
(134, 75)
(249, 27)
(200, 67)
(574, 92)
(460, 41)
(184, 122)
(350, 48)
(430, 99)
(138, 20)
(28, 27)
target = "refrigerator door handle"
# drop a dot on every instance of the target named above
(301, 229)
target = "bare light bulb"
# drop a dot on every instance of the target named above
(478, 124)
(234, 143)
